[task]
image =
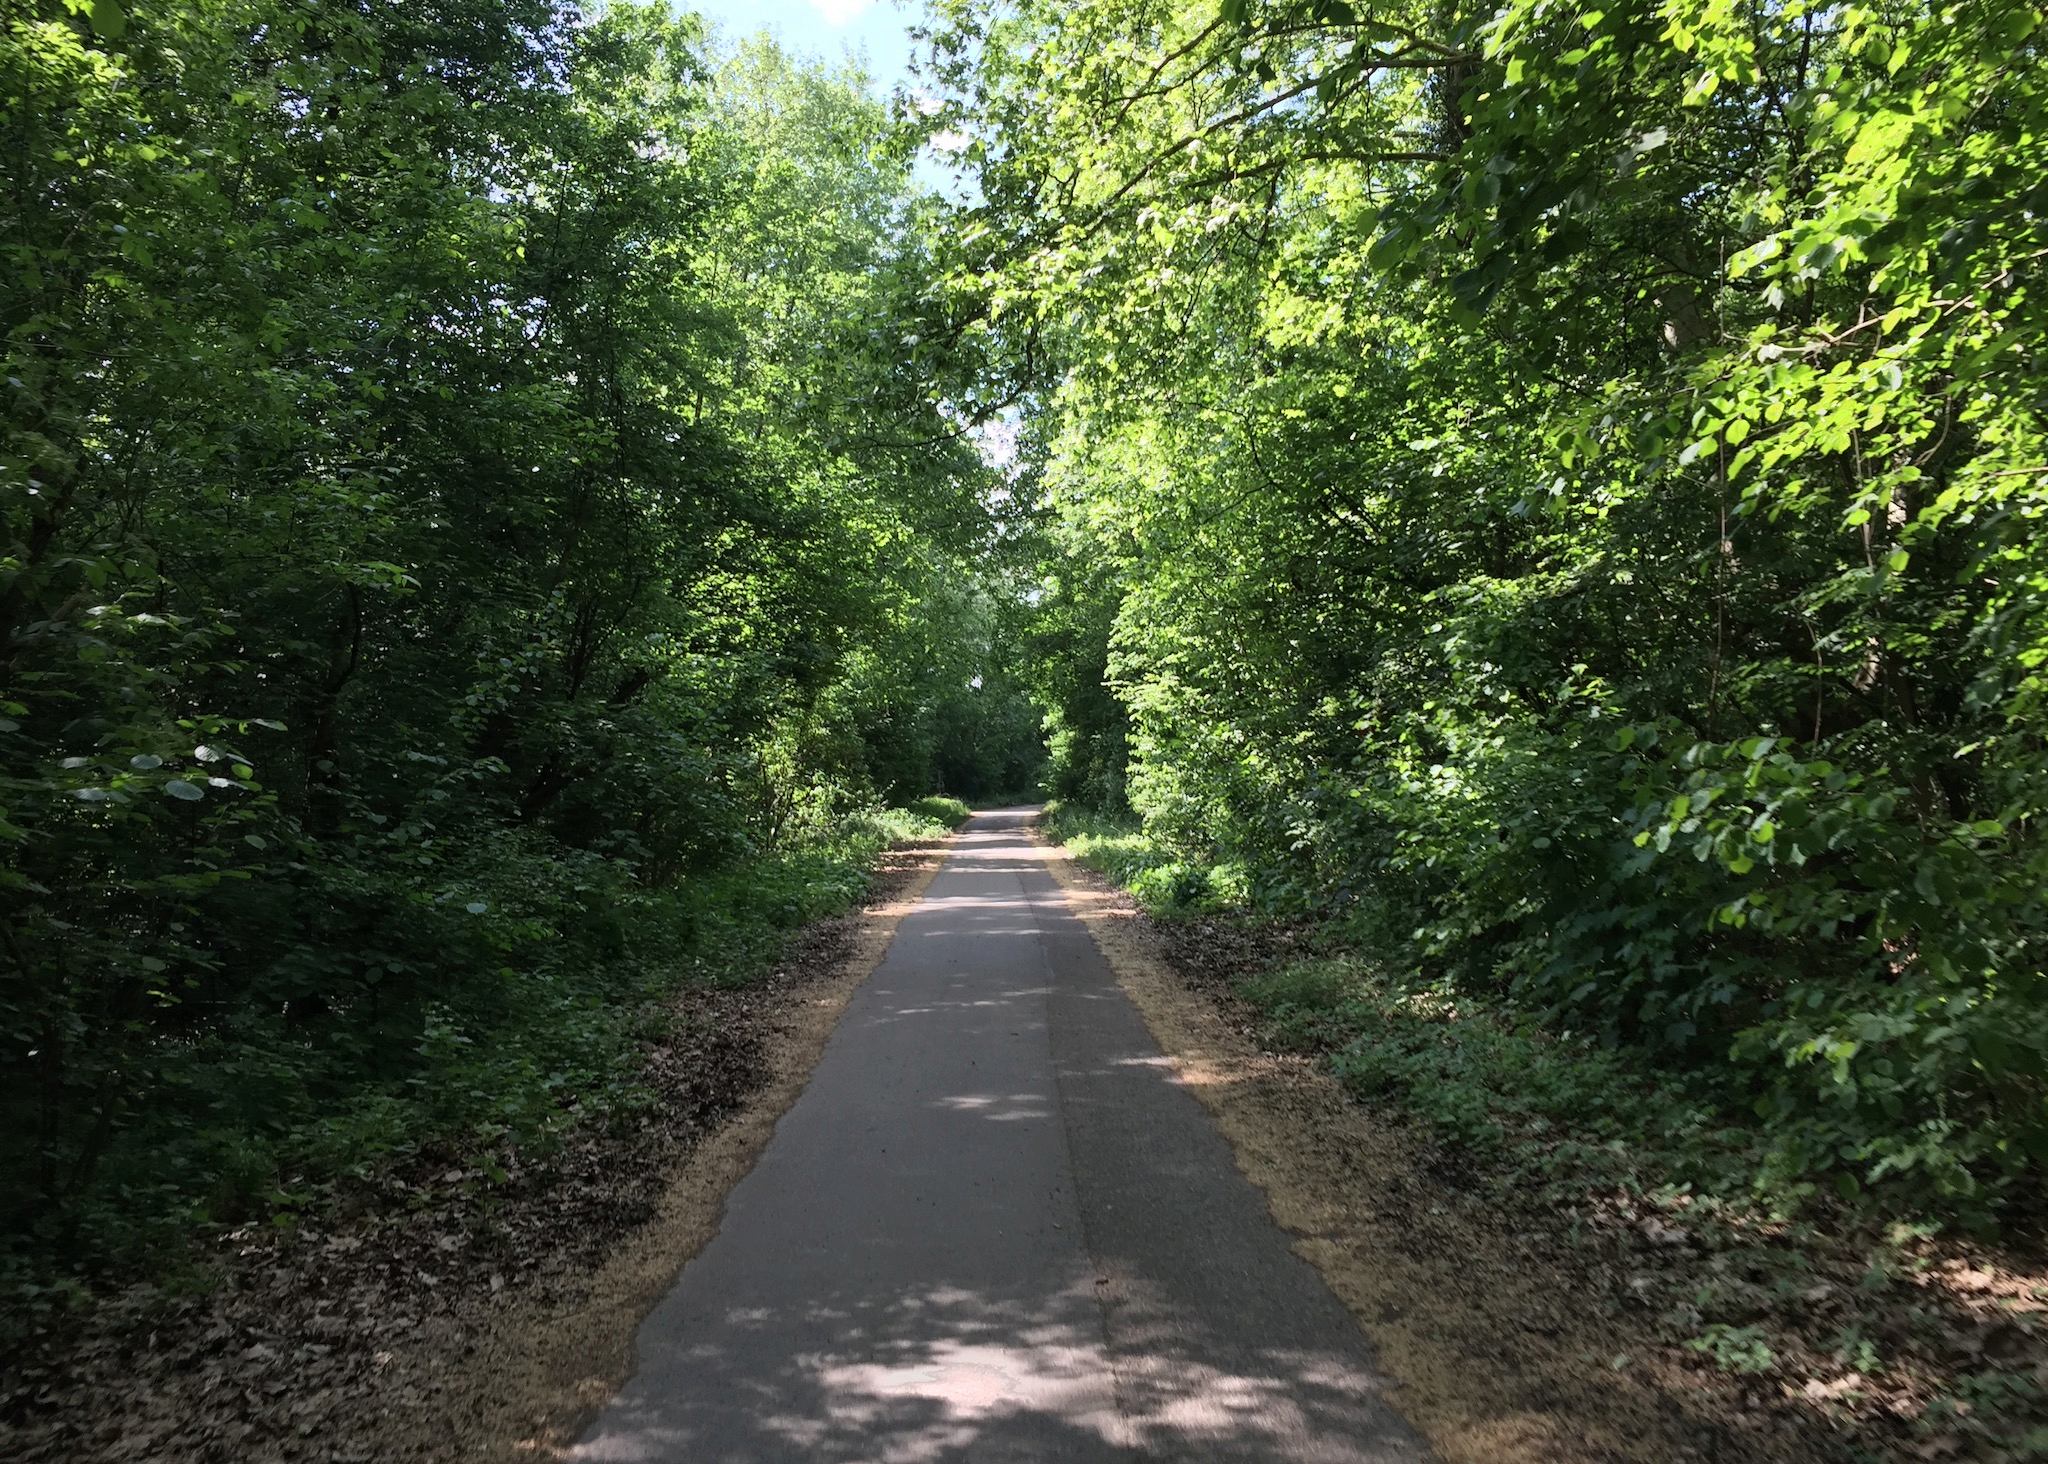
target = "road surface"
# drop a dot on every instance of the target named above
(994, 1229)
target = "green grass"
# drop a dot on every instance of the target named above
(1165, 881)
(937, 814)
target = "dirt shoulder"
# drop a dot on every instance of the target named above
(1505, 1348)
(445, 1315)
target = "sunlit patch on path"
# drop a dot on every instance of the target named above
(997, 1226)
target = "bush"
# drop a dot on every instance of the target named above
(1164, 880)
(1543, 1104)
(950, 813)
(491, 1010)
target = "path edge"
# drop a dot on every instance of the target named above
(547, 1396)
(1286, 1122)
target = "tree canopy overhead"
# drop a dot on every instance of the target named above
(490, 516)
(463, 496)
(1563, 482)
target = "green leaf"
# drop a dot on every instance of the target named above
(179, 788)
(1392, 247)
(109, 20)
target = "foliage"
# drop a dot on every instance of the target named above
(1550, 1108)
(1651, 1172)
(1165, 881)
(469, 537)
(1088, 741)
(1560, 486)
(946, 813)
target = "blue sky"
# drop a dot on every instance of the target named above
(876, 30)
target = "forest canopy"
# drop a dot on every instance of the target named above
(1560, 486)
(472, 541)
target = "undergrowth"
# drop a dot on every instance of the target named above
(1491, 1070)
(1548, 1109)
(927, 817)
(1830, 1292)
(549, 976)
(1164, 881)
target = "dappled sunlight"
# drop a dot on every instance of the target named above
(1510, 531)
(1199, 1072)
(979, 906)
(949, 1372)
(999, 1107)
(944, 1371)
(984, 1102)
(997, 1227)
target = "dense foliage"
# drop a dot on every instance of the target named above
(474, 548)
(489, 517)
(1562, 484)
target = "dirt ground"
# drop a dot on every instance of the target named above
(446, 1317)
(1518, 1335)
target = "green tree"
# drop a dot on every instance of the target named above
(464, 500)
(1562, 476)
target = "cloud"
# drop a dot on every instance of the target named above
(837, 13)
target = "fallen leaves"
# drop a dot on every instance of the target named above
(352, 1336)
(1775, 1341)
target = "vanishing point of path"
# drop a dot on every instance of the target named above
(994, 1229)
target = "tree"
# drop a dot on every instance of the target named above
(1559, 475)
(461, 499)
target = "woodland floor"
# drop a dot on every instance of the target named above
(435, 1315)
(1524, 1329)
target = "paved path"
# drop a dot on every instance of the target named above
(993, 1229)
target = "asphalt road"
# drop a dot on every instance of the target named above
(994, 1229)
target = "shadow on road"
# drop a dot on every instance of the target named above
(997, 1228)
